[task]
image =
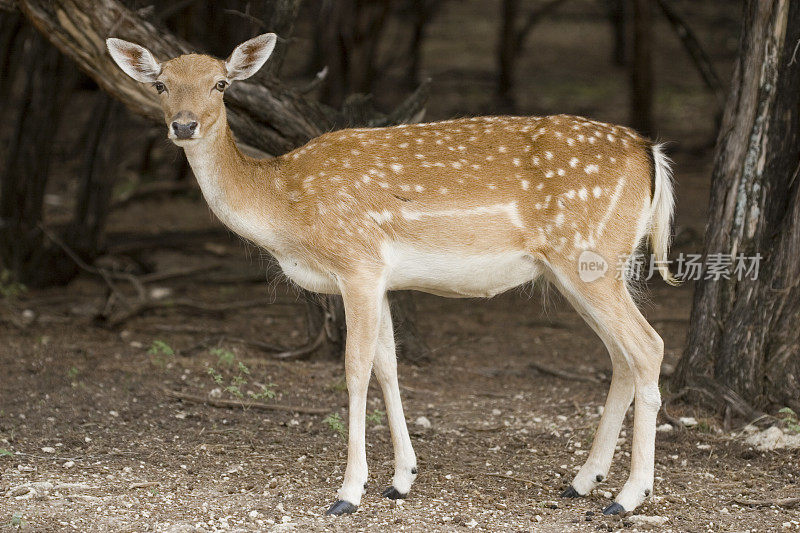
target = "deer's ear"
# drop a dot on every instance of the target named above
(250, 56)
(136, 61)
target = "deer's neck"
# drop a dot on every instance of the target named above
(239, 189)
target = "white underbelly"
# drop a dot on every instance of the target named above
(308, 277)
(457, 275)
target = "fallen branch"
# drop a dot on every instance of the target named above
(563, 374)
(668, 417)
(106, 275)
(179, 273)
(514, 478)
(145, 484)
(244, 404)
(780, 502)
(304, 350)
(187, 305)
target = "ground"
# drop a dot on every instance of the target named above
(91, 440)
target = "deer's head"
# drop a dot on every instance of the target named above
(191, 86)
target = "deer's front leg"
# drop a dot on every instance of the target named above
(362, 305)
(405, 461)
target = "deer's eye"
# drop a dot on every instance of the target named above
(221, 84)
(160, 87)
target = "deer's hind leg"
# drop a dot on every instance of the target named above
(636, 352)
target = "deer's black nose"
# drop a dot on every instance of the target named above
(184, 130)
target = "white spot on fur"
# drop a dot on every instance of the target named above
(509, 209)
(591, 169)
(380, 217)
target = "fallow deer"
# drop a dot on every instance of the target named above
(460, 208)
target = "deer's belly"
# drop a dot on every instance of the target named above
(308, 277)
(457, 275)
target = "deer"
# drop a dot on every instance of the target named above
(463, 208)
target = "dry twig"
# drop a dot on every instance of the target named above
(514, 478)
(563, 374)
(244, 404)
(780, 502)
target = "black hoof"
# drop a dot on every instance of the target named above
(614, 508)
(570, 492)
(341, 507)
(393, 494)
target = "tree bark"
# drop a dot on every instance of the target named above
(744, 334)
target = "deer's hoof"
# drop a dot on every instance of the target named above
(614, 508)
(393, 494)
(570, 492)
(341, 507)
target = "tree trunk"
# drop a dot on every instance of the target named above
(506, 51)
(32, 111)
(616, 18)
(744, 333)
(641, 68)
(511, 41)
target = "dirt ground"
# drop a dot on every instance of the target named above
(91, 441)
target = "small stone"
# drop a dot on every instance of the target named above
(253, 514)
(472, 523)
(49, 449)
(688, 421)
(664, 428)
(647, 521)
(69, 464)
(159, 293)
(423, 422)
